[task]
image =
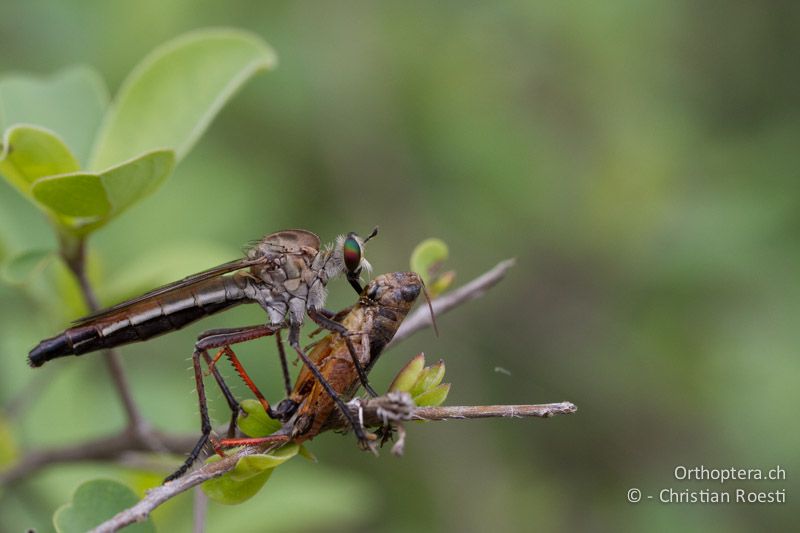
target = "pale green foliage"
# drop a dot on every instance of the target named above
(163, 107)
(84, 201)
(427, 260)
(171, 96)
(254, 422)
(424, 384)
(248, 476)
(33, 152)
(408, 375)
(95, 502)
(71, 102)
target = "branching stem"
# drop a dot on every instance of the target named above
(370, 412)
(73, 251)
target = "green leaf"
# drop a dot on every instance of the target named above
(23, 267)
(441, 283)
(254, 422)
(170, 98)
(307, 454)
(226, 490)
(70, 103)
(252, 465)
(408, 375)
(85, 201)
(434, 396)
(73, 195)
(427, 258)
(32, 152)
(247, 477)
(428, 378)
(95, 502)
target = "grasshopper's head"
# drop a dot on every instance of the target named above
(398, 290)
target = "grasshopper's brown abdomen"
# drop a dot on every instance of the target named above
(384, 304)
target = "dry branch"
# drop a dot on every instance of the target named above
(371, 416)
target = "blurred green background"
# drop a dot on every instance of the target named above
(639, 159)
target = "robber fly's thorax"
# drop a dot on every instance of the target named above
(294, 275)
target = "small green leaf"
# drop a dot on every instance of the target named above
(427, 258)
(32, 152)
(307, 454)
(251, 465)
(95, 502)
(408, 375)
(248, 476)
(441, 283)
(228, 491)
(434, 396)
(170, 98)
(23, 267)
(428, 378)
(85, 201)
(70, 103)
(73, 195)
(254, 422)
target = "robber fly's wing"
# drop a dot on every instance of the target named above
(188, 281)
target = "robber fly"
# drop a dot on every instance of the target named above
(285, 273)
(372, 322)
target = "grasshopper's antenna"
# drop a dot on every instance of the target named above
(430, 308)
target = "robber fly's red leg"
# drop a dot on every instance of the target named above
(205, 423)
(331, 325)
(294, 342)
(237, 365)
(216, 338)
(223, 338)
(229, 397)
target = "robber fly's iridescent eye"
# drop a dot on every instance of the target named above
(352, 253)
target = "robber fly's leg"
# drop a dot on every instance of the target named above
(237, 365)
(205, 423)
(294, 342)
(287, 381)
(223, 338)
(331, 325)
(229, 397)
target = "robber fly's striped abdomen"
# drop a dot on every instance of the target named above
(143, 320)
